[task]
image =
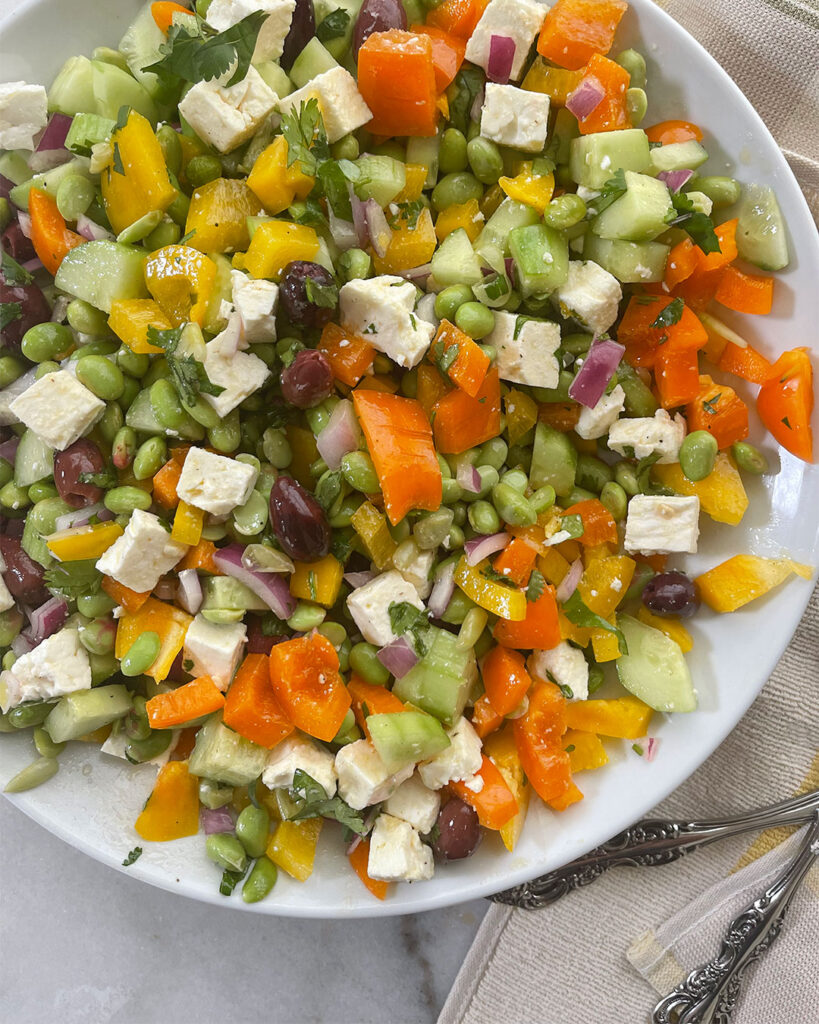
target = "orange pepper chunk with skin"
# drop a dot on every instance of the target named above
(495, 803)
(172, 809)
(611, 113)
(306, 680)
(720, 411)
(667, 132)
(447, 53)
(199, 697)
(461, 421)
(539, 739)
(470, 366)
(51, 239)
(349, 355)
(252, 708)
(599, 526)
(359, 858)
(745, 293)
(396, 78)
(458, 17)
(785, 402)
(576, 30)
(539, 629)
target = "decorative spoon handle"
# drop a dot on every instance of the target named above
(651, 842)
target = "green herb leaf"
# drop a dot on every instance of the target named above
(230, 879)
(314, 804)
(610, 191)
(308, 211)
(106, 479)
(406, 618)
(537, 584)
(698, 225)
(461, 95)
(710, 405)
(306, 138)
(186, 238)
(573, 525)
(489, 572)
(73, 579)
(445, 357)
(203, 55)
(9, 312)
(671, 314)
(328, 488)
(370, 329)
(431, 837)
(567, 691)
(341, 547)
(187, 373)
(334, 25)
(645, 481)
(637, 749)
(323, 295)
(132, 857)
(578, 612)
(520, 322)
(272, 626)
(13, 273)
(406, 214)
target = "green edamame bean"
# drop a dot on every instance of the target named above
(124, 447)
(226, 851)
(451, 492)
(485, 159)
(227, 435)
(94, 606)
(558, 394)
(123, 500)
(167, 232)
(96, 347)
(355, 265)
(141, 654)
(449, 300)
(318, 468)
(213, 794)
(358, 470)
(343, 517)
(488, 478)
(512, 507)
(156, 743)
(409, 383)
(252, 827)
(168, 139)
(698, 453)
(492, 453)
(6, 472)
(452, 152)
(399, 533)
(262, 877)
(74, 195)
(364, 662)
(638, 399)
(635, 64)
(721, 190)
(11, 369)
(41, 490)
(276, 448)
(34, 774)
(202, 169)
(132, 389)
(150, 457)
(592, 473)
(483, 518)
(458, 608)
(564, 212)
(456, 538)
(576, 495)
(85, 318)
(456, 188)
(543, 498)
(334, 632)
(347, 148)
(576, 344)
(473, 625)
(166, 405)
(749, 458)
(516, 478)
(49, 366)
(141, 228)
(98, 636)
(432, 530)
(626, 476)
(614, 497)
(264, 484)
(251, 518)
(45, 745)
(446, 471)
(14, 497)
(475, 319)
(636, 104)
(101, 376)
(158, 370)
(307, 616)
(47, 342)
(24, 716)
(111, 421)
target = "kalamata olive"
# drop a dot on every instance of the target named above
(298, 299)
(377, 16)
(81, 457)
(671, 593)
(257, 641)
(33, 310)
(23, 576)
(302, 30)
(298, 521)
(15, 243)
(308, 380)
(459, 831)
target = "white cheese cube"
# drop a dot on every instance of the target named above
(6, 600)
(224, 14)
(58, 409)
(23, 112)
(381, 311)
(414, 803)
(215, 483)
(526, 350)
(225, 116)
(255, 301)
(415, 566)
(214, 649)
(597, 421)
(57, 665)
(520, 20)
(341, 104)
(591, 295)
(239, 373)
(514, 117)
(646, 435)
(370, 605)
(565, 665)
(658, 525)
(142, 554)
(363, 778)
(397, 853)
(299, 753)
(461, 759)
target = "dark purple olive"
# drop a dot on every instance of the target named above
(298, 521)
(23, 576)
(33, 310)
(15, 243)
(377, 16)
(308, 380)
(459, 831)
(81, 457)
(302, 30)
(308, 293)
(671, 593)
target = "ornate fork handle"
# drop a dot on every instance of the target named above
(651, 842)
(709, 994)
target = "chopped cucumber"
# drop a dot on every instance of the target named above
(72, 91)
(654, 668)
(382, 178)
(225, 756)
(455, 262)
(115, 88)
(406, 737)
(225, 592)
(103, 271)
(554, 461)
(49, 182)
(639, 215)
(424, 151)
(629, 262)
(85, 711)
(140, 47)
(678, 156)
(493, 241)
(312, 61)
(541, 257)
(86, 131)
(14, 166)
(593, 159)
(441, 681)
(340, 45)
(276, 77)
(761, 235)
(34, 460)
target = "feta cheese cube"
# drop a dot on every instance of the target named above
(370, 605)
(224, 14)
(215, 649)
(597, 421)
(461, 759)
(566, 666)
(58, 409)
(57, 665)
(239, 373)
(658, 525)
(644, 435)
(520, 20)
(341, 104)
(363, 778)
(397, 853)
(225, 116)
(414, 803)
(299, 753)
(215, 483)
(415, 566)
(526, 350)
(591, 295)
(142, 554)
(514, 117)
(6, 600)
(381, 311)
(23, 112)
(255, 302)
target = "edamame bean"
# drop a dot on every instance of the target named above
(475, 319)
(592, 473)
(74, 195)
(150, 457)
(5, 213)
(111, 421)
(45, 745)
(432, 530)
(178, 210)
(576, 495)
(636, 104)
(213, 794)
(136, 364)
(85, 318)
(47, 342)
(577, 344)
(24, 716)
(14, 497)
(262, 877)
(458, 608)
(166, 405)
(638, 399)
(543, 498)
(698, 453)
(564, 212)
(135, 723)
(251, 518)
(167, 232)
(103, 666)
(41, 490)
(516, 478)
(355, 265)
(451, 492)
(749, 458)
(202, 169)
(101, 376)
(483, 518)
(409, 383)
(307, 616)
(473, 625)
(449, 300)
(226, 851)
(132, 389)
(34, 774)
(11, 369)
(123, 500)
(358, 470)
(264, 483)
(347, 148)
(399, 533)
(95, 605)
(626, 476)
(276, 448)
(49, 366)
(171, 145)
(141, 228)
(456, 538)
(488, 478)
(635, 64)
(11, 622)
(319, 416)
(454, 189)
(141, 654)
(558, 394)
(156, 743)
(343, 517)
(721, 190)
(252, 827)
(452, 153)
(334, 632)
(614, 497)
(512, 507)
(95, 347)
(6, 472)
(98, 636)
(124, 447)
(493, 453)
(485, 160)
(364, 662)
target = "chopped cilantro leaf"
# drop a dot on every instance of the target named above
(187, 373)
(578, 612)
(444, 357)
(306, 138)
(202, 55)
(9, 312)
(611, 191)
(637, 749)
(573, 525)
(698, 225)
(406, 618)
(13, 273)
(370, 329)
(323, 295)
(230, 879)
(106, 479)
(314, 804)
(787, 422)
(670, 314)
(537, 584)
(489, 572)
(710, 404)
(132, 857)
(461, 95)
(73, 579)
(406, 214)
(333, 26)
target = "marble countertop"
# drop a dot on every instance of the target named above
(83, 944)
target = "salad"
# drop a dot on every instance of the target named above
(364, 378)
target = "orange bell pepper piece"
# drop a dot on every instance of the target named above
(599, 526)
(171, 625)
(458, 17)
(682, 261)
(164, 484)
(306, 681)
(130, 600)
(485, 719)
(719, 410)
(431, 386)
(252, 708)
(746, 363)
(349, 355)
(163, 12)
(611, 112)
(539, 739)
(667, 132)
(677, 376)
(199, 697)
(462, 421)
(51, 239)
(447, 53)
(644, 342)
(471, 364)
(399, 436)
(200, 556)
(700, 287)
(359, 859)
(540, 629)
(495, 803)
(505, 679)
(785, 402)
(745, 293)
(516, 561)
(576, 30)
(396, 78)
(172, 809)
(563, 416)
(371, 700)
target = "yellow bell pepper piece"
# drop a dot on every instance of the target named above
(410, 246)
(624, 717)
(414, 184)
(463, 215)
(187, 524)
(170, 623)
(81, 542)
(501, 748)
(569, 631)
(141, 185)
(588, 752)
(743, 578)
(371, 526)
(521, 414)
(130, 320)
(180, 279)
(318, 581)
(553, 566)
(275, 184)
(276, 243)
(671, 626)
(721, 493)
(534, 190)
(605, 581)
(556, 83)
(570, 549)
(604, 643)
(303, 446)
(506, 602)
(217, 216)
(292, 847)
(172, 809)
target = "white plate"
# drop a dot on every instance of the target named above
(93, 802)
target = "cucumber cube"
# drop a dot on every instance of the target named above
(226, 592)
(224, 756)
(642, 213)
(14, 166)
(424, 151)
(455, 262)
(406, 737)
(312, 61)
(115, 88)
(441, 681)
(554, 461)
(140, 47)
(34, 460)
(654, 668)
(49, 181)
(593, 159)
(541, 257)
(86, 131)
(381, 178)
(276, 77)
(339, 45)
(678, 156)
(629, 262)
(77, 714)
(72, 91)
(761, 235)
(103, 271)
(493, 241)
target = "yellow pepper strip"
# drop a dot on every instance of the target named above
(414, 184)
(276, 243)
(721, 493)
(371, 526)
(318, 581)
(588, 752)
(743, 578)
(409, 246)
(556, 83)
(81, 542)
(570, 549)
(180, 279)
(462, 215)
(580, 635)
(187, 524)
(170, 623)
(303, 446)
(172, 810)
(292, 847)
(671, 626)
(624, 717)
(506, 602)
(604, 643)
(521, 414)
(501, 748)
(130, 320)
(605, 581)
(274, 183)
(534, 190)
(135, 182)
(217, 216)
(553, 566)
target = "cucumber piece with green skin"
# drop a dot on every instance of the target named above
(424, 150)
(88, 130)
(313, 60)
(678, 156)
(103, 271)
(49, 182)
(593, 159)
(140, 47)
(115, 88)
(541, 257)
(455, 262)
(40, 523)
(276, 77)
(224, 756)
(762, 238)
(339, 46)
(225, 592)
(34, 460)
(77, 714)
(381, 178)
(563, 134)
(441, 681)
(654, 669)
(629, 262)
(14, 166)
(72, 91)
(554, 461)
(406, 737)
(640, 214)
(493, 241)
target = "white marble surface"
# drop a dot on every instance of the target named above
(81, 944)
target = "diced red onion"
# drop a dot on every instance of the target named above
(5, 186)
(377, 228)
(675, 179)
(482, 547)
(22, 644)
(650, 750)
(47, 159)
(501, 58)
(415, 273)
(269, 586)
(359, 218)
(593, 377)
(24, 220)
(165, 588)
(217, 820)
(344, 232)
(48, 618)
(33, 265)
(443, 588)
(7, 396)
(477, 105)
(426, 309)
(8, 449)
(585, 98)
(340, 436)
(469, 479)
(398, 657)
(568, 584)
(189, 592)
(79, 516)
(91, 230)
(55, 134)
(359, 579)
